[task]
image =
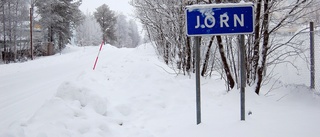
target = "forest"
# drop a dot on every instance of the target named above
(32, 28)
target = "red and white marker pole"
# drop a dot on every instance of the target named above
(95, 63)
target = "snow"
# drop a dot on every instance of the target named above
(218, 5)
(133, 94)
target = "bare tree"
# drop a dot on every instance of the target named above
(164, 24)
(277, 15)
(163, 21)
(13, 15)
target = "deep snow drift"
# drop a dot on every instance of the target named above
(133, 94)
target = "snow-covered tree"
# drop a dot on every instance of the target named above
(88, 32)
(126, 32)
(107, 20)
(121, 31)
(163, 21)
(133, 34)
(59, 18)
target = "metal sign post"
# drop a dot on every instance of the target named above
(220, 19)
(198, 95)
(243, 76)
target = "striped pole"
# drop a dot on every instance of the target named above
(95, 63)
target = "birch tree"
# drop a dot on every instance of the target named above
(164, 23)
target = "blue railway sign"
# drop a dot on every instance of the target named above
(220, 19)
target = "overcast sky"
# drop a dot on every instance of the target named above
(119, 6)
(122, 6)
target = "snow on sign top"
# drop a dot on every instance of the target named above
(218, 5)
(220, 19)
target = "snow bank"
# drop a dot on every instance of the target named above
(70, 92)
(73, 111)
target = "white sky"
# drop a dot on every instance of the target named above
(122, 6)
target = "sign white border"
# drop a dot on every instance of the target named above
(221, 5)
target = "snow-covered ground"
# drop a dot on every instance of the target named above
(133, 94)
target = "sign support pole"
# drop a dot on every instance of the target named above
(243, 76)
(198, 95)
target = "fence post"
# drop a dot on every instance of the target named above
(312, 68)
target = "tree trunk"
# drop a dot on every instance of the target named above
(224, 59)
(10, 26)
(225, 63)
(265, 46)
(188, 55)
(4, 34)
(206, 60)
(166, 53)
(15, 31)
(60, 42)
(254, 61)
